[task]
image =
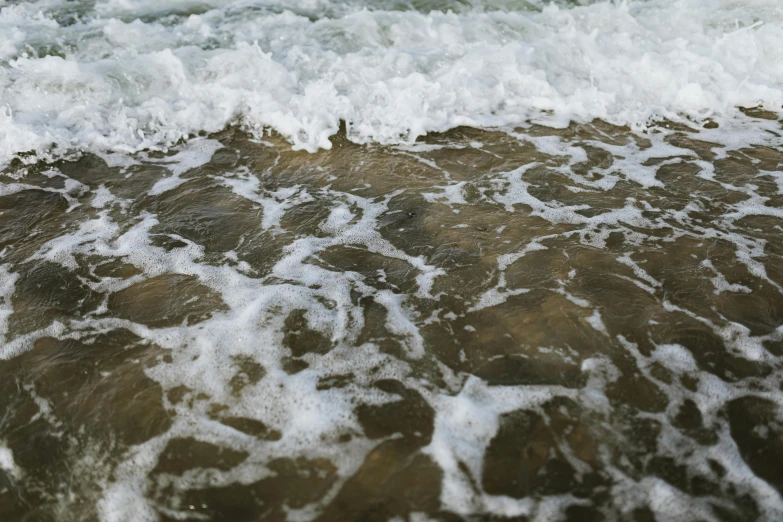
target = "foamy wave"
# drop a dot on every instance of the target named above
(95, 77)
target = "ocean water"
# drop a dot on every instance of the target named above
(409, 261)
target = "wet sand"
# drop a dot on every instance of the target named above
(579, 324)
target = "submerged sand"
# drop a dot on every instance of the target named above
(487, 325)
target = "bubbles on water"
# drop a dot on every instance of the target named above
(119, 76)
(555, 322)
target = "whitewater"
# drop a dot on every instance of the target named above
(408, 260)
(125, 76)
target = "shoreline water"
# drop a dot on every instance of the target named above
(416, 261)
(484, 324)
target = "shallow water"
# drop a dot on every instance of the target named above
(530, 324)
(530, 267)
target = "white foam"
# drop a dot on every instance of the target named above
(675, 357)
(721, 283)
(464, 426)
(310, 419)
(195, 154)
(391, 75)
(596, 322)
(274, 203)
(7, 463)
(7, 283)
(103, 197)
(125, 503)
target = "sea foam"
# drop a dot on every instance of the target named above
(122, 76)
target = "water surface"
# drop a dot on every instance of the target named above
(577, 324)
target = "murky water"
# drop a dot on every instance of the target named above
(579, 324)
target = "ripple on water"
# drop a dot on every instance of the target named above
(582, 323)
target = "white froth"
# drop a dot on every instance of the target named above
(675, 357)
(195, 154)
(7, 462)
(391, 75)
(7, 283)
(125, 84)
(596, 322)
(274, 203)
(464, 426)
(123, 502)
(103, 197)
(496, 296)
(721, 283)
(466, 416)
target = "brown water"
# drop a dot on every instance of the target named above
(580, 324)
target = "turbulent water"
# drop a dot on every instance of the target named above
(412, 261)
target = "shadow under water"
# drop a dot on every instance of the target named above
(578, 324)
